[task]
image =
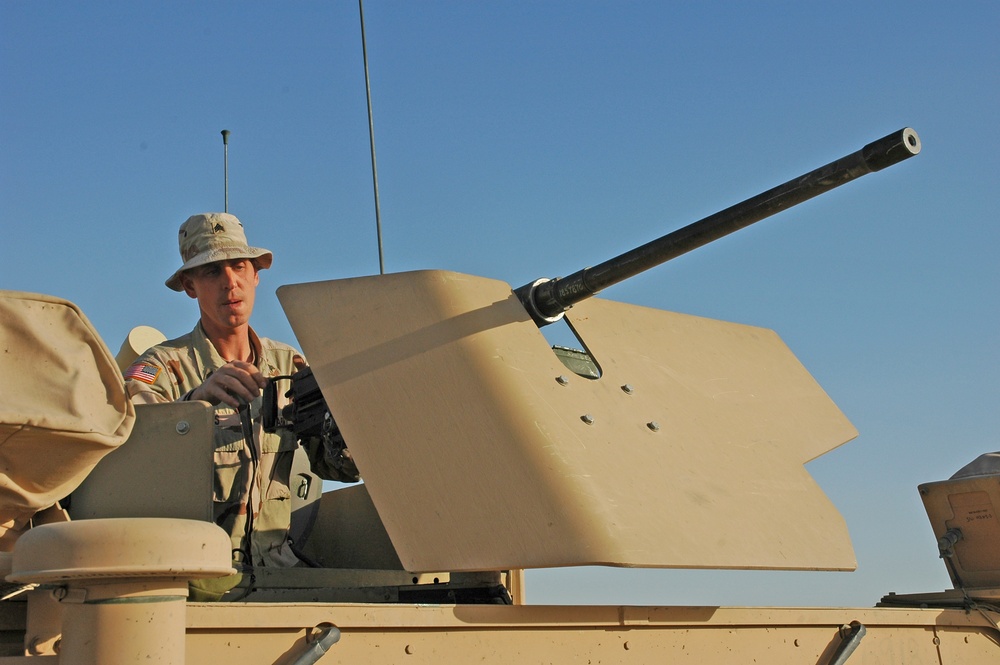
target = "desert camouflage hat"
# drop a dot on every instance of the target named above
(211, 237)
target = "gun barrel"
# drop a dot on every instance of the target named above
(547, 299)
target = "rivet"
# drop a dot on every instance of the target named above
(183, 427)
(408, 649)
(653, 425)
(628, 389)
(587, 418)
(627, 646)
(562, 380)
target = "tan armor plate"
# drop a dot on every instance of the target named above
(478, 455)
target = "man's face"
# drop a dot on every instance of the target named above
(225, 292)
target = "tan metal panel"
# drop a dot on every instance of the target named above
(271, 633)
(477, 458)
(349, 534)
(967, 510)
(164, 469)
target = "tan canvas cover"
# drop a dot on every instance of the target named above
(62, 401)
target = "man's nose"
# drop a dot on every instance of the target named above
(229, 276)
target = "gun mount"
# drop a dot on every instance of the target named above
(547, 299)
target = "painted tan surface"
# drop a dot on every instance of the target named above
(477, 457)
(164, 469)
(541, 634)
(103, 550)
(119, 586)
(971, 506)
(277, 634)
(135, 344)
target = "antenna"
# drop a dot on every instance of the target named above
(371, 137)
(225, 150)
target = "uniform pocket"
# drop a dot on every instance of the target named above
(229, 476)
(277, 488)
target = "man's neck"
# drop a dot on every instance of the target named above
(232, 344)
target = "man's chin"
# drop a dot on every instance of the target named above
(234, 319)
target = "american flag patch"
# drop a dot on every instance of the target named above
(142, 372)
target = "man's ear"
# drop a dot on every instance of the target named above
(188, 285)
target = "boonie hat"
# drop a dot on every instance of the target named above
(211, 237)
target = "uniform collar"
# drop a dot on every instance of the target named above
(209, 359)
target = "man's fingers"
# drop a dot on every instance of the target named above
(231, 384)
(248, 374)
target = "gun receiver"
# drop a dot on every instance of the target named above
(547, 299)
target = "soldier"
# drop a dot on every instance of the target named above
(223, 362)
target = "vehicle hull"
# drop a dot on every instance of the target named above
(276, 633)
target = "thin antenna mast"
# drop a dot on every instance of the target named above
(225, 149)
(371, 136)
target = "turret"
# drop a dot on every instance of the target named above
(480, 451)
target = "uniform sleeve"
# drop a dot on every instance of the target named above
(147, 382)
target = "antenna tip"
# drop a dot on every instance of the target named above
(225, 136)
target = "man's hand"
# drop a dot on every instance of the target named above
(234, 383)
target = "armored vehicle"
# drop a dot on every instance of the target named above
(667, 440)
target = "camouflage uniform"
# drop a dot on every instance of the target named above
(171, 371)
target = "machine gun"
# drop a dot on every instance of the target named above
(446, 377)
(547, 299)
(307, 413)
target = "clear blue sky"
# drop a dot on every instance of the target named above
(526, 139)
